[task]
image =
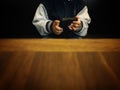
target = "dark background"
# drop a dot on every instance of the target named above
(17, 15)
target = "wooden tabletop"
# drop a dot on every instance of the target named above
(60, 45)
(60, 64)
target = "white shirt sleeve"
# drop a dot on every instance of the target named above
(85, 18)
(40, 21)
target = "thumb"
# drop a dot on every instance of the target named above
(78, 18)
(57, 22)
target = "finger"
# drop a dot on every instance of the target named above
(59, 28)
(76, 25)
(57, 22)
(74, 28)
(70, 27)
(58, 32)
(76, 22)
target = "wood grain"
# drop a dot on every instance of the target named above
(59, 64)
(59, 70)
(60, 45)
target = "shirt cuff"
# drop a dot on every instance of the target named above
(49, 26)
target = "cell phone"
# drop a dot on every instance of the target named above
(65, 22)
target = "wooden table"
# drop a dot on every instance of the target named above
(59, 64)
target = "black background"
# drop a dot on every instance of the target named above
(17, 15)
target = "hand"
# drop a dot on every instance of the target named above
(56, 28)
(75, 25)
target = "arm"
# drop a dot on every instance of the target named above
(85, 19)
(41, 21)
